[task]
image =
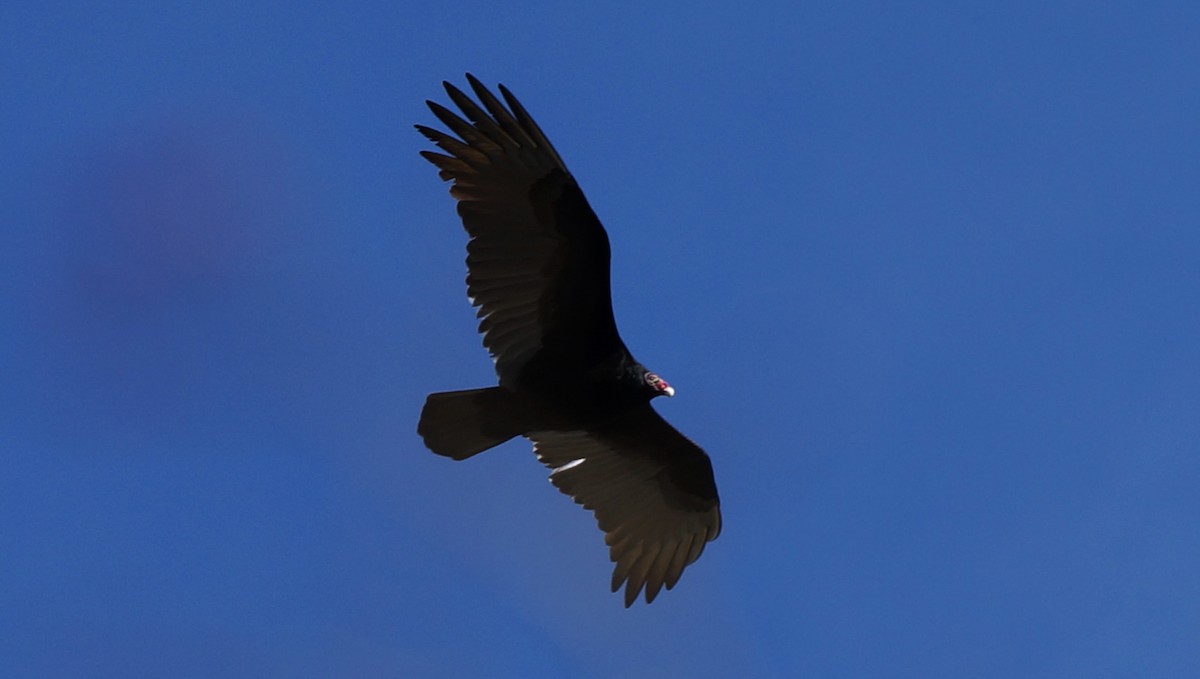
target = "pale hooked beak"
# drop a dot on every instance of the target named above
(658, 384)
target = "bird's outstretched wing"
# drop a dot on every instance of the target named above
(651, 489)
(538, 258)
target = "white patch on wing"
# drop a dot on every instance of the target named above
(570, 465)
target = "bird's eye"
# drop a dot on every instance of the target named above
(651, 378)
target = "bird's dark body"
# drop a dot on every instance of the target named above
(538, 270)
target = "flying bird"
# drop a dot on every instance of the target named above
(538, 272)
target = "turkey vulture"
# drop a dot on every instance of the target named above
(538, 270)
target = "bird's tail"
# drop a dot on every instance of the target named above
(459, 424)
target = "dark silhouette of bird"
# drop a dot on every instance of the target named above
(538, 271)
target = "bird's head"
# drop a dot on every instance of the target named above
(657, 385)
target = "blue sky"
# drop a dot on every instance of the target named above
(926, 279)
